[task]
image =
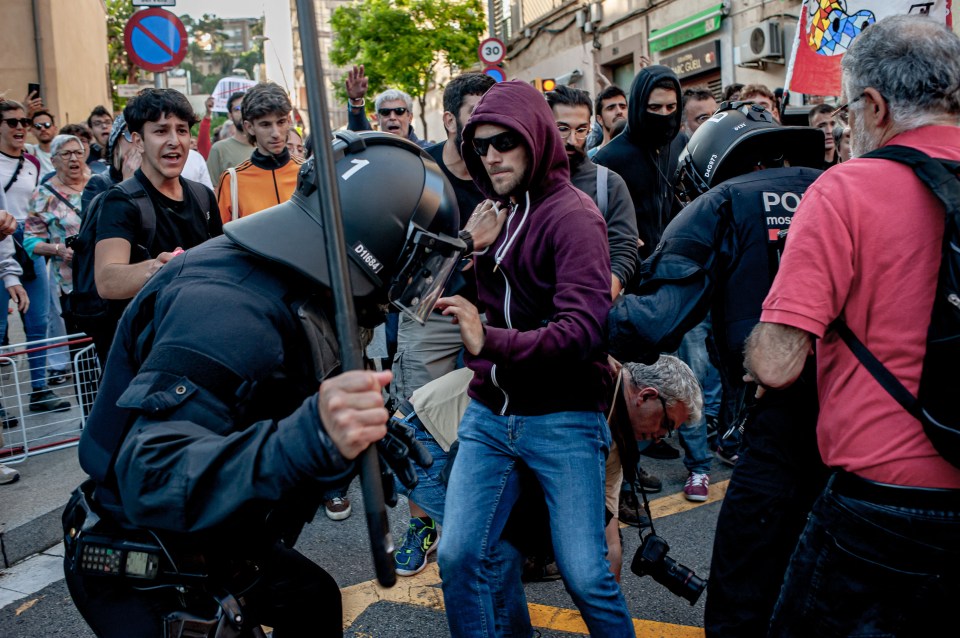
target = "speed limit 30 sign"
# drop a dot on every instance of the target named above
(492, 51)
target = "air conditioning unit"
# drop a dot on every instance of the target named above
(758, 43)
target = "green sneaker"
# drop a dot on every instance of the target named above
(420, 541)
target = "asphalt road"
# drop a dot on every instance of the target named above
(414, 608)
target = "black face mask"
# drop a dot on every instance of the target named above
(659, 130)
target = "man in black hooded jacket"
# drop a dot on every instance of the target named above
(641, 154)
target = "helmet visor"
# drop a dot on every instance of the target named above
(428, 261)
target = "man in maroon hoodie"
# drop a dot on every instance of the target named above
(540, 382)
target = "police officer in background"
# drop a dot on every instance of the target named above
(720, 254)
(210, 444)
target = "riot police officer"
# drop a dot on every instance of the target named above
(720, 254)
(210, 445)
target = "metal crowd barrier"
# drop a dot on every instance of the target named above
(37, 432)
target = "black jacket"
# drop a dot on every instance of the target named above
(210, 376)
(618, 213)
(641, 156)
(720, 254)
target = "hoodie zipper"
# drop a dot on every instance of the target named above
(506, 397)
(508, 294)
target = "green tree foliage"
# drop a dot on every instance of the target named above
(401, 42)
(122, 69)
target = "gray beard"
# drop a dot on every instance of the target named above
(862, 141)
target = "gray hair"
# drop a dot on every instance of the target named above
(393, 94)
(673, 379)
(914, 62)
(60, 140)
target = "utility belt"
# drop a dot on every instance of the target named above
(97, 546)
(927, 498)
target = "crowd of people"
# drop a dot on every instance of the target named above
(572, 278)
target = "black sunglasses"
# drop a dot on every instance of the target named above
(40, 125)
(503, 142)
(13, 121)
(400, 110)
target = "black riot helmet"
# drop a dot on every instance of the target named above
(738, 137)
(400, 222)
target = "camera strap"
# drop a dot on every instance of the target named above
(646, 507)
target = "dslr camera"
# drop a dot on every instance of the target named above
(651, 559)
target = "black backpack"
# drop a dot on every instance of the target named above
(84, 306)
(935, 406)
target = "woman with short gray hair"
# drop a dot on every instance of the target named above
(54, 215)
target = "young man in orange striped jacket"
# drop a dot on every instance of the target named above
(269, 177)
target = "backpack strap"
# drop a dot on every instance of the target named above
(234, 194)
(603, 175)
(148, 216)
(940, 176)
(203, 194)
(884, 377)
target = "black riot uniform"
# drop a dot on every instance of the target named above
(205, 446)
(720, 254)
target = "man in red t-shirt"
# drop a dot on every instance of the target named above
(880, 549)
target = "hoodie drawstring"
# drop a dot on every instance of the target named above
(502, 251)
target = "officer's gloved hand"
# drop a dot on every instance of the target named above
(398, 451)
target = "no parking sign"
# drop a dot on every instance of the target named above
(155, 40)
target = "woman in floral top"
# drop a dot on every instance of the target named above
(54, 215)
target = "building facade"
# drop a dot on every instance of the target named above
(334, 76)
(60, 46)
(707, 42)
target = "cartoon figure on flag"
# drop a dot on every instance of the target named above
(828, 28)
(832, 29)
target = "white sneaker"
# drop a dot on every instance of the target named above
(8, 475)
(338, 508)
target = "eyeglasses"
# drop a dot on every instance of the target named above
(237, 108)
(69, 154)
(12, 122)
(400, 110)
(665, 422)
(42, 125)
(503, 142)
(580, 132)
(843, 112)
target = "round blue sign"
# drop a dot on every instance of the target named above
(155, 40)
(496, 73)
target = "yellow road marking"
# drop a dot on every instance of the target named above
(569, 620)
(677, 503)
(422, 590)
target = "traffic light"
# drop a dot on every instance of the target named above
(544, 84)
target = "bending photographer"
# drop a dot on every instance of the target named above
(720, 254)
(209, 445)
(435, 410)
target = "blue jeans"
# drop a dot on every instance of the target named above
(35, 319)
(863, 569)
(58, 359)
(430, 492)
(566, 452)
(693, 436)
